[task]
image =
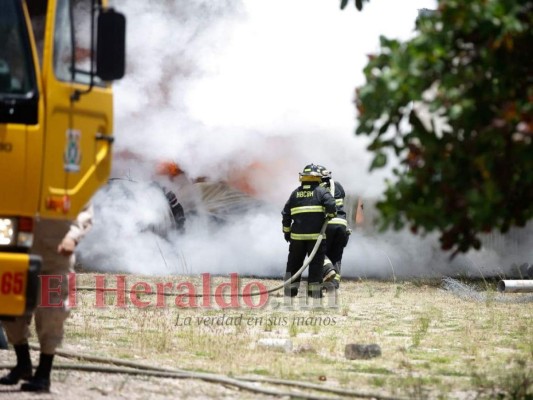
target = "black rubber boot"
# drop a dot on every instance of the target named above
(337, 278)
(41, 380)
(23, 368)
(328, 271)
(291, 290)
(314, 290)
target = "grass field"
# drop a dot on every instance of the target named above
(434, 344)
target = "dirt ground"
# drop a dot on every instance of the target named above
(435, 343)
(82, 385)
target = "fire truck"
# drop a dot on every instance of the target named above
(57, 61)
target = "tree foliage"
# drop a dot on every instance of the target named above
(471, 63)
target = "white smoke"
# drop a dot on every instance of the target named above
(248, 91)
(220, 86)
(393, 255)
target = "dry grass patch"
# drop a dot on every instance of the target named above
(433, 343)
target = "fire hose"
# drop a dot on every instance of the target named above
(119, 366)
(271, 290)
(304, 266)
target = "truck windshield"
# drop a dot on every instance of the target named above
(18, 90)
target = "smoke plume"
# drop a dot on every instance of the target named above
(245, 93)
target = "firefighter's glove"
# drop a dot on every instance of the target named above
(331, 216)
(287, 236)
(67, 246)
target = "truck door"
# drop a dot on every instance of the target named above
(78, 134)
(20, 115)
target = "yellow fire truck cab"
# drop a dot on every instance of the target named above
(57, 59)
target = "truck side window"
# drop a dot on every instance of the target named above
(37, 11)
(15, 55)
(64, 39)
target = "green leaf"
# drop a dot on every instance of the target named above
(379, 161)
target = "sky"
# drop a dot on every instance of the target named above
(248, 92)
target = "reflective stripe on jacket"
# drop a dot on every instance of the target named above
(338, 221)
(306, 210)
(337, 191)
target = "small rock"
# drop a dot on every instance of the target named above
(361, 351)
(276, 344)
(305, 348)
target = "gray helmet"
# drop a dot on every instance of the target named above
(326, 173)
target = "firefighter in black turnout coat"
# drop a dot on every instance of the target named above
(337, 231)
(303, 216)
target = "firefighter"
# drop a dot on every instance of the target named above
(54, 241)
(303, 217)
(337, 231)
(175, 207)
(172, 170)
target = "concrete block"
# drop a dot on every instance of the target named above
(276, 344)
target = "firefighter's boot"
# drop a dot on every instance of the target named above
(336, 281)
(41, 380)
(314, 290)
(328, 271)
(291, 289)
(337, 278)
(23, 368)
